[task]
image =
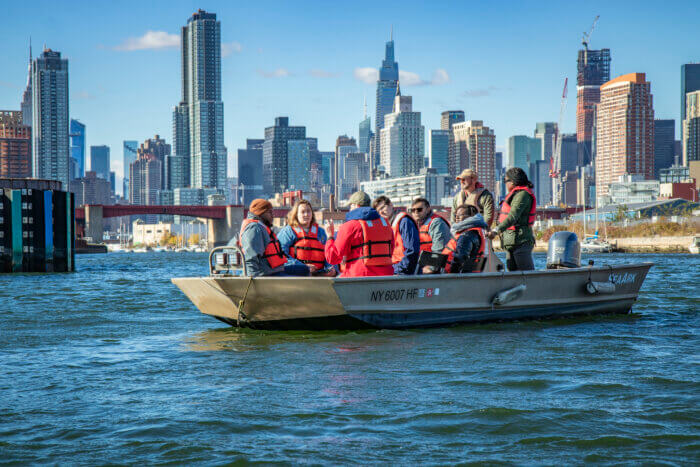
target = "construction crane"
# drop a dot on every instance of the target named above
(555, 160)
(587, 36)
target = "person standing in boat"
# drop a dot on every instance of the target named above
(472, 192)
(406, 236)
(260, 247)
(468, 247)
(434, 230)
(303, 241)
(365, 240)
(515, 221)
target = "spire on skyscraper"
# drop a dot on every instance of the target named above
(391, 35)
(365, 107)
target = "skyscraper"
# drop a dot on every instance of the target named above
(624, 131)
(439, 147)
(250, 170)
(402, 140)
(691, 129)
(664, 142)
(547, 132)
(365, 134)
(180, 160)
(523, 150)
(275, 154)
(50, 148)
(145, 179)
(456, 158)
(593, 71)
(130, 148)
(77, 146)
(690, 81)
(344, 145)
(200, 47)
(158, 148)
(386, 90)
(27, 95)
(15, 146)
(480, 142)
(300, 154)
(99, 161)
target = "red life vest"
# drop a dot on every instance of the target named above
(452, 247)
(307, 248)
(505, 208)
(375, 249)
(398, 252)
(273, 250)
(426, 241)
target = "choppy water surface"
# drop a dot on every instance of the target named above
(112, 364)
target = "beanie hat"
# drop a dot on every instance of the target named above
(360, 198)
(260, 206)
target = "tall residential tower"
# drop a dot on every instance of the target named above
(593, 71)
(386, 90)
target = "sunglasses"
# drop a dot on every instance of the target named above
(506, 180)
(417, 209)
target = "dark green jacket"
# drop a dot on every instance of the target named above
(519, 212)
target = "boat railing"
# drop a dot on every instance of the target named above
(227, 261)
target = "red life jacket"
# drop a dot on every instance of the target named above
(375, 249)
(307, 248)
(398, 252)
(452, 247)
(505, 208)
(426, 241)
(273, 250)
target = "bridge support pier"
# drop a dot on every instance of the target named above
(94, 224)
(220, 231)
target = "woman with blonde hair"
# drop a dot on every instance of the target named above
(303, 240)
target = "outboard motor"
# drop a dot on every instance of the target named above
(563, 251)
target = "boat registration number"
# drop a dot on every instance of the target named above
(395, 295)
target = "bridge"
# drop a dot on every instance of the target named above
(223, 222)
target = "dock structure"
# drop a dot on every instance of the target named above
(37, 220)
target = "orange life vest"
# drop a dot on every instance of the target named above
(273, 250)
(398, 252)
(426, 241)
(505, 208)
(452, 247)
(376, 244)
(308, 248)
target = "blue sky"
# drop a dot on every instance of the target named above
(503, 62)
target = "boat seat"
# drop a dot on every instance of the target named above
(429, 258)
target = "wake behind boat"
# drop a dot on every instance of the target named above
(412, 301)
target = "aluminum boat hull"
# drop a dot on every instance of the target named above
(412, 301)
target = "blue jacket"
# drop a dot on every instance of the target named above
(287, 237)
(362, 214)
(411, 244)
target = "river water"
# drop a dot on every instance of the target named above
(112, 364)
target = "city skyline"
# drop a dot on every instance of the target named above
(261, 79)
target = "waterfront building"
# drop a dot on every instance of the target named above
(250, 171)
(130, 149)
(630, 189)
(301, 153)
(690, 82)
(77, 146)
(99, 161)
(91, 189)
(50, 122)
(200, 48)
(593, 68)
(344, 145)
(403, 190)
(159, 149)
(539, 176)
(691, 129)
(480, 143)
(664, 144)
(145, 179)
(547, 133)
(439, 149)
(624, 131)
(386, 90)
(569, 153)
(522, 151)
(179, 161)
(275, 154)
(15, 145)
(456, 158)
(402, 140)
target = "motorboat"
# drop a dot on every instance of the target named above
(695, 246)
(595, 245)
(397, 302)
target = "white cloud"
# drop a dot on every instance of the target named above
(152, 40)
(406, 78)
(228, 48)
(278, 73)
(481, 92)
(323, 74)
(366, 75)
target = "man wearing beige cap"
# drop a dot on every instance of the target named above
(473, 193)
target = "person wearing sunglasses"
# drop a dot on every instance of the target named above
(473, 193)
(406, 237)
(434, 230)
(515, 221)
